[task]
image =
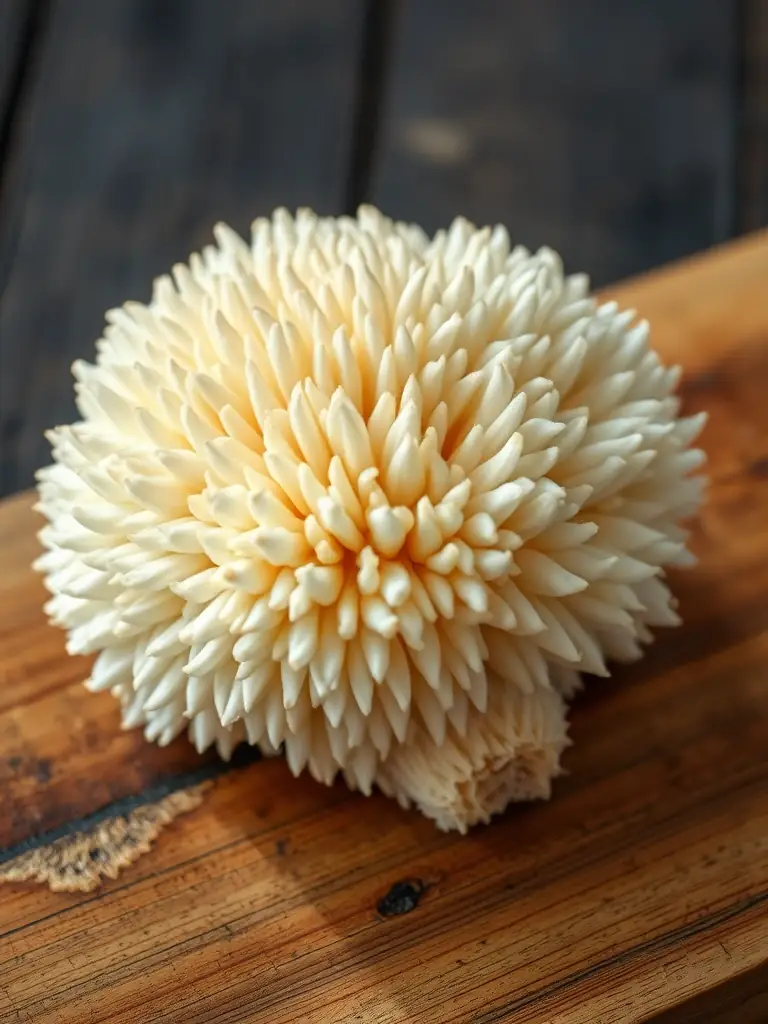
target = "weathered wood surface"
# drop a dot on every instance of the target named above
(146, 123)
(606, 130)
(640, 889)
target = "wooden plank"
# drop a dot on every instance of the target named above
(605, 130)
(641, 886)
(567, 909)
(146, 124)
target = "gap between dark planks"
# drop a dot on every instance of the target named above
(750, 113)
(35, 13)
(20, 79)
(740, 141)
(374, 59)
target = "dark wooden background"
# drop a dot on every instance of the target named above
(624, 133)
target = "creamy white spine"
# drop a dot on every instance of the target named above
(349, 490)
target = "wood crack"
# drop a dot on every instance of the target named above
(80, 861)
(128, 805)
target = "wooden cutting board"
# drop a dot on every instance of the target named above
(640, 890)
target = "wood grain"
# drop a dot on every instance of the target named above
(146, 123)
(605, 130)
(640, 889)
